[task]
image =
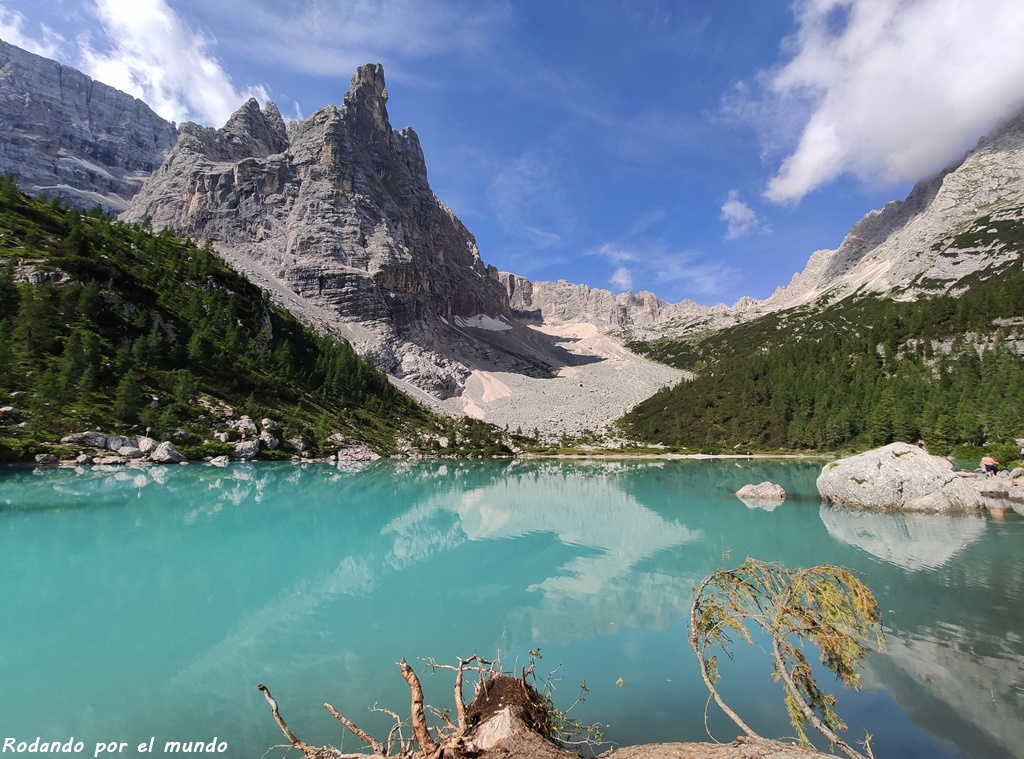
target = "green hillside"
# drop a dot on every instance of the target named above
(864, 371)
(108, 326)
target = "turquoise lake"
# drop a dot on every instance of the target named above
(148, 603)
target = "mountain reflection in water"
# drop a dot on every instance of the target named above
(201, 580)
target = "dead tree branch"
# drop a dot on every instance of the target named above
(369, 740)
(419, 723)
(314, 752)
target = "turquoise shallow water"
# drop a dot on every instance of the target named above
(149, 603)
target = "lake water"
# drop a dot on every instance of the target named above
(138, 604)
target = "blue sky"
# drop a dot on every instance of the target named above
(699, 150)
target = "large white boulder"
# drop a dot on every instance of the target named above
(166, 453)
(246, 450)
(897, 477)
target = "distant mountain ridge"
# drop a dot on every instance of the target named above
(65, 134)
(902, 250)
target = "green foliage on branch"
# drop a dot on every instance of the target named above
(824, 605)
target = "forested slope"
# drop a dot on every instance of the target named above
(863, 371)
(107, 325)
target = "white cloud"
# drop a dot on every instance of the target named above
(622, 279)
(890, 90)
(12, 31)
(150, 53)
(330, 38)
(740, 219)
(670, 269)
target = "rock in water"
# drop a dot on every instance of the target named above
(68, 135)
(897, 477)
(765, 496)
(768, 491)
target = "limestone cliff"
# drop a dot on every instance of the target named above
(909, 247)
(338, 208)
(563, 302)
(65, 134)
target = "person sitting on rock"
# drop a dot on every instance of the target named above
(990, 465)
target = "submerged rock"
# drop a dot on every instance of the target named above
(897, 477)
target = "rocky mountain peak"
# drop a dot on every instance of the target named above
(250, 132)
(338, 211)
(366, 100)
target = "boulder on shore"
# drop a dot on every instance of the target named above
(90, 439)
(246, 450)
(166, 453)
(146, 444)
(357, 453)
(897, 477)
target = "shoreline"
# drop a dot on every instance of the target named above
(596, 455)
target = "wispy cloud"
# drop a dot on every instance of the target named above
(145, 48)
(149, 52)
(622, 279)
(12, 30)
(529, 201)
(677, 270)
(328, 38)
(740, 219)
(886, 91)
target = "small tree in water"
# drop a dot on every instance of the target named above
(825, 605)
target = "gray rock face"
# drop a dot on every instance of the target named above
(764, 491)
(63, 133)
(897, 477)
(356, 453)
(766, 495)
(245, 426)
(906, 245)
(337, 209)
(563, 302)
